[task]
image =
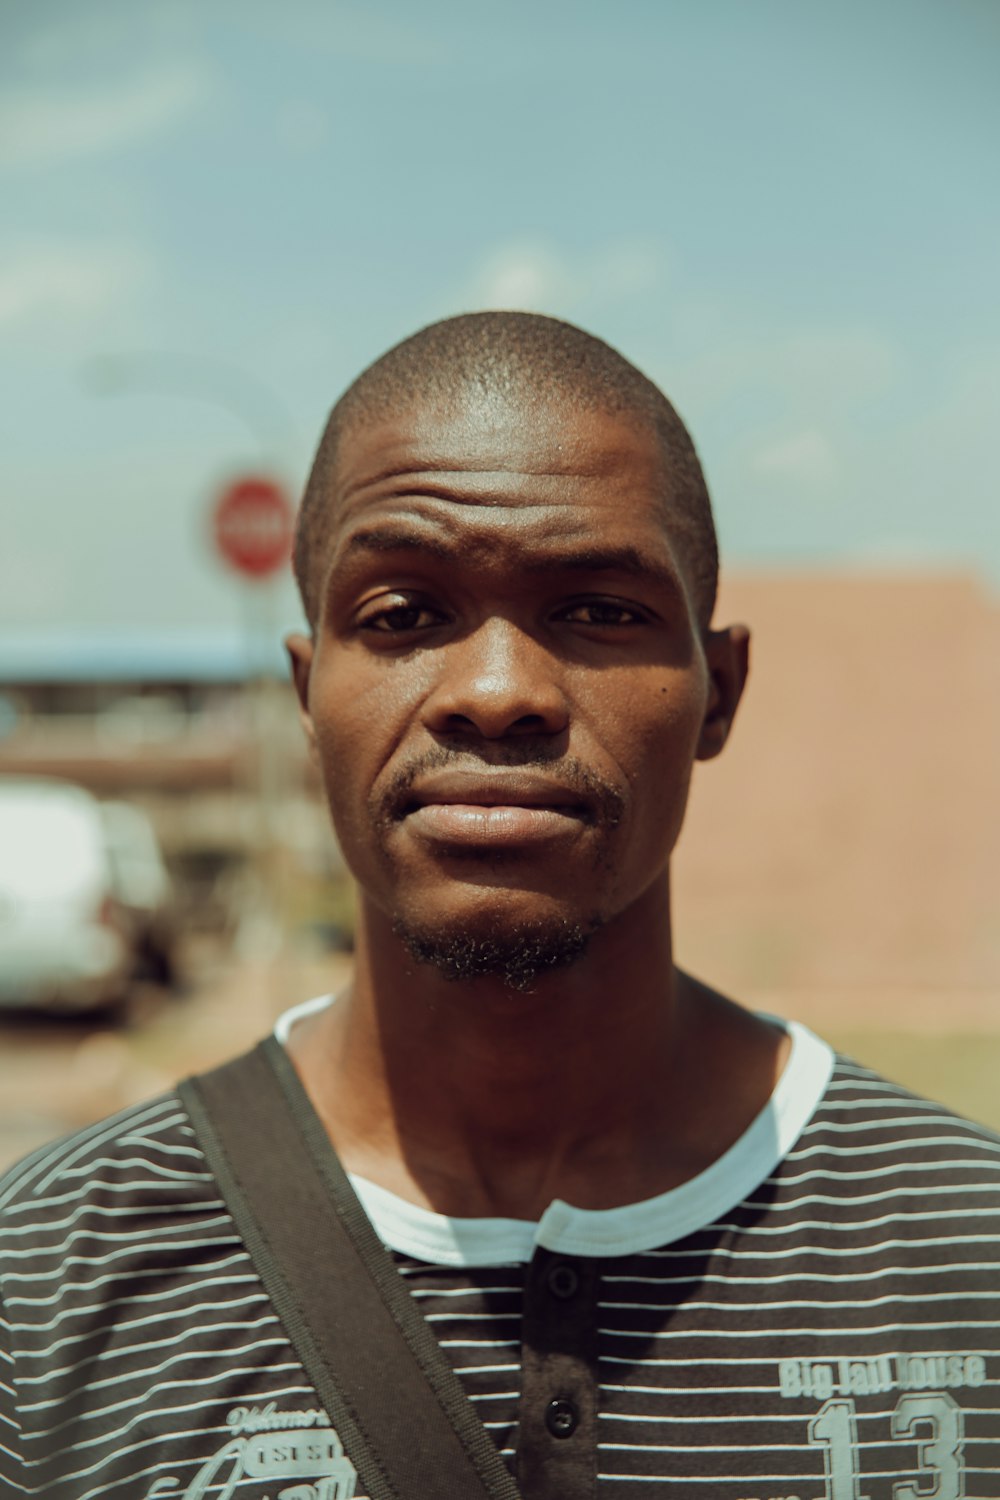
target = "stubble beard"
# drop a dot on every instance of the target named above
(520, 952)
(517, 957)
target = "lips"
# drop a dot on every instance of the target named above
(496, 789)
(502, 808)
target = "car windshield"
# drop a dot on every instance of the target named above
(50, 845)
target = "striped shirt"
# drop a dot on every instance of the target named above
(816, 1317)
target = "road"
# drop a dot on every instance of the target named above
(57, 1074)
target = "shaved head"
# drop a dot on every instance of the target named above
(529, 360)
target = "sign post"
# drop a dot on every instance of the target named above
(252, 524)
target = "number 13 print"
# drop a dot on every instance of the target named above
(932, 1418)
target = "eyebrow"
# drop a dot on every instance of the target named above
(605, 560)
(589, 559)
(397, 539)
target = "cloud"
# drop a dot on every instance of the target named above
(302, 126)
(804, 458)
(522, 275)
(386, 35)
(47, 281)
(811, 372)
(851, 365)
(534, 276)
(48, 126)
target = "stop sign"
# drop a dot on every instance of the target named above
(252, 525)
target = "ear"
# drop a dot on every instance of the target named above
(300, 655)
(727, 653)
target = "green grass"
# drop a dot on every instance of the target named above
(960, 1071)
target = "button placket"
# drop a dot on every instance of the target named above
(557, 1422)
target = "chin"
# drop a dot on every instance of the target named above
(517, 952)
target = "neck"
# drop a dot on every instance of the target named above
(476, 1100)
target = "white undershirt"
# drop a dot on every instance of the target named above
(630, 1229)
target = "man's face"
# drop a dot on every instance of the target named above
(507, 686)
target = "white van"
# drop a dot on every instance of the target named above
(67, 936)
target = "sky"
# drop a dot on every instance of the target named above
(214, 215)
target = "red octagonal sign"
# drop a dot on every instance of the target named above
(252, 522)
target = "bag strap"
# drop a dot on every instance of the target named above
(393, 1398)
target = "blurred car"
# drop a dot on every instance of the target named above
(84, 898)
(143, 890)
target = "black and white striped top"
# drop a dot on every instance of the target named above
(817, 1317)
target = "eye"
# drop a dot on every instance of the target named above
(601, 612)
(397, 615)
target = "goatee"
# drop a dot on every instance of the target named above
(517, 957)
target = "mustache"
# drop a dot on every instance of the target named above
(391, 801)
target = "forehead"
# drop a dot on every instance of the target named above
(514, 470)
(486, 433)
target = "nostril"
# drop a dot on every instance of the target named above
(479, 698)
(487, 726)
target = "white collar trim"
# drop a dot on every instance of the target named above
(628, 1230)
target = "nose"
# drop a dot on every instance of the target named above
(496, 681)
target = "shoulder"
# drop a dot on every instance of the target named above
(145, 1137)
(874, 1154)
(84, 1197)
(859, 1104)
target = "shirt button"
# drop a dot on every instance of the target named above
(561, 1418)
(563, 1282)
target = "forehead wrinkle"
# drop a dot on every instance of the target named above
(494, 488)
(553, 550)
(371, 458)
(428, 471)
(393, 521)
(435, 534)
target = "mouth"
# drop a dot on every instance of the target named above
(502, 809)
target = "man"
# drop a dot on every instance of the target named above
(669, 1246)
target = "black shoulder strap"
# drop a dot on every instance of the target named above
(383, 1380)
